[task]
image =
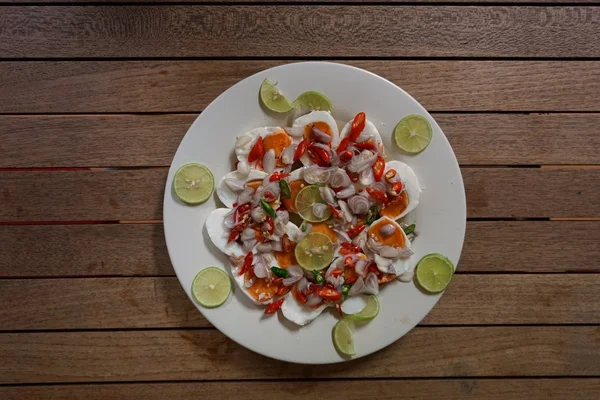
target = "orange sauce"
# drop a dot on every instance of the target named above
(295, 187)
(261, 286)
(322, 126)
(324, 228)
(254, 184)
(277, 141)
(396, 206)
(395, 240)
(285, 259)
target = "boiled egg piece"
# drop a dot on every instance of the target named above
(369, 135)
(233, 183)
(218, 233)
(409, 197)
(388, 233)
(321, 120)
(273, 137)
(297, 312)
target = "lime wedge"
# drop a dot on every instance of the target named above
(413, 133)
(370, 311)
(314, 251)
(193, 183)
(342, 338)
(211, 287)
(313, 101)
(434, 273)
(305, 199)
(272, 98)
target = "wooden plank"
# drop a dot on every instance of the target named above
(140, 249)
(135, 249)
(189, 86)
(160, 302)
(209, 355)
(137, 194)
(151, 140)
(358, 2)
(298, 31)
(411, 389)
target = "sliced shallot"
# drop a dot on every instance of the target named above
(347, 213)
(327, 194)
(248, 234)
(287, 155)
(243, 140)
(243, 168)
(258, 215)
(365, 160)
(406, 276)
(357, 287)
(361, 266)
(234, 184)
(319, 209)
(248, 245)
(296, 132)
(339, 178)
(245, 196)
(289, 281)
(347, 192)
(264, 247)
(371, 284)
(320, 135)
(269, 161)
(313, 300)
(343, 235)
(358, 204)
(302, 283)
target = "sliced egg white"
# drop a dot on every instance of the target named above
(245, 142)
(228, 196)
(369, 132)
(299, 313)
(411, 185)
(354, 304)
(315, 117)
(218, 233)
(402, 264)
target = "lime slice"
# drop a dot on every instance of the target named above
(305, 199)
(211, 287)
(313, 101)
(314, 251)
(272, 98)
(370, 311)
(434, 273)
(193, 183)
(342, 338)
(413, 133)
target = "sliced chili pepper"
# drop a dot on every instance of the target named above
(241, 211)
(410, 229)
(377, 195)
(358, 124)
(373, 268)
(346, 156)
(268, 209)
(396, 188)
(283, 290)
(354, 232)
(349, 248)
(378, 168)
(329, 294)
(273, 307)
(366, 145)
(269, 196)
(312, 289)
(345, 291)
(235, 204)
(318, 277)
(286, 191)
(269, 221)
(353, 176)
(343, 145)
(335, 212)
(351, 280)
(301, 297)
(372, 215)
(286, 244)
(235, 233)
(337, 272)
(390, 175)
(277, 176)
(301, 149)
(247, 263)
(257, 151)
(280, 272)
(348, 261)
(319, 156)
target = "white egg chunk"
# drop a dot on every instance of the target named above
(408, 199)
(391, 246)
(324, 123)
(369, 135)
(354, 304)
(299, 313)
(233, 183)
(218, 233)
(273, 138)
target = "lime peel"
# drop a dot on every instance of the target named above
(413, 133)
(368, 313)
(342, 337)
(314, 101)
(193, 183)
(273, 99)
(211, 287)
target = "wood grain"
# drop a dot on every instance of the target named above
(151, 140)
(137, 194)
(209, 355)
(411, 389)
(140, 249)
(161, 302)
(299, 31)
(358, 2)
(83, 250)
(189, 86)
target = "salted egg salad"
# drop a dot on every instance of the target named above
(311, 217)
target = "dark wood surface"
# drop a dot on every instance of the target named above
(95, 97)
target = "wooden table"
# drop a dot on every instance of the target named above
(95, 99)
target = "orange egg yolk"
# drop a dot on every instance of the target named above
(260, 286)
(322, 126)
(396, 206)
(285, 259)
(324, 228)
(394, 240)
(277, 141)
(295, 187)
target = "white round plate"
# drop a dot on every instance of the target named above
(440, 216)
